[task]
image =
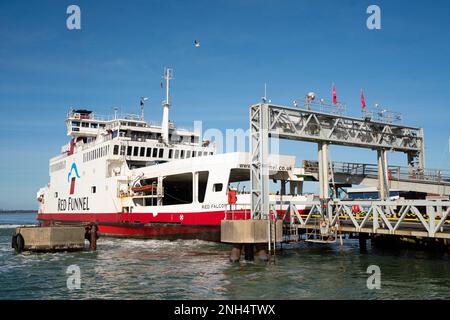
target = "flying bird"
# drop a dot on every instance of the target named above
(196, 44)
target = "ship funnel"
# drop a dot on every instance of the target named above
(168, 75)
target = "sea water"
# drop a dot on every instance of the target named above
(193, 269)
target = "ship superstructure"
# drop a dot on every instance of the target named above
(141, 179)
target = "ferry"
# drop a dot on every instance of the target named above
(139, 179)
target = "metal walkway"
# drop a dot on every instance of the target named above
(430, 181)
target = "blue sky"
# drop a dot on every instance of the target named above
(294, 46)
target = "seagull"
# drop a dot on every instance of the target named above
(196, 44)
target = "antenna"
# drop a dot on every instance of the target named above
(115, 112)
(143, 99)
(168, 75)
(265, 99)
(265, 91)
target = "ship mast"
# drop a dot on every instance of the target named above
(166, 103)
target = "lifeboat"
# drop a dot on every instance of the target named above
(146, 188)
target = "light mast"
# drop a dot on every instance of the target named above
(166, 103)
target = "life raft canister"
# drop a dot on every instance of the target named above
(356, 208)
(232, 197)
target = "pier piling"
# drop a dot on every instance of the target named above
(362, 242)
(235, 254)
(261, 252)
(249, 252)
(93, 238)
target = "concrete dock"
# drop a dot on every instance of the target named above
(54, 238)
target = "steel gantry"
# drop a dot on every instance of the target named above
(303, 124)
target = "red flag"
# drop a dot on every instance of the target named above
(334, 95)
(363, 100)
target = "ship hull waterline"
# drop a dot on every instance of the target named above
(168, 226)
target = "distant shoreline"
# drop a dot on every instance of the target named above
(17, 211)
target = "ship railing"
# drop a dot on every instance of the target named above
(239, 211)
(91, 144)
(323, 106)
(382, 115)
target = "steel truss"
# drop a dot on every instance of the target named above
(416, 218)
(325, 129)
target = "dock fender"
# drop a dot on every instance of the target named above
(14, 241)
(20, 243)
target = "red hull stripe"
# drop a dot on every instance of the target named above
(198, 225)
(184, 218)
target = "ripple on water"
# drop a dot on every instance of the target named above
(194, 269)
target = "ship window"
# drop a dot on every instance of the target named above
(135, 151)
(170, 153)
(85, 125)
(149, 152)
(182, 154)
(239, 179)
(102, 125)
(142, 154)
(56, 194)
(155, 152)
(94, 125)
(178, 189)
(177, 154)
(188, 154)
(122, 150)
(129, 150)
(161, 153)
(75, 123)
(205, 153)
(93, 189)
(218, 187)
(211, 153)
(193, 154)
(199, 154)
(202, 183)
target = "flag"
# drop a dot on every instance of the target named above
(363, 100)
(334, 95)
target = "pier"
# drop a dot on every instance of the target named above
(330, 217)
